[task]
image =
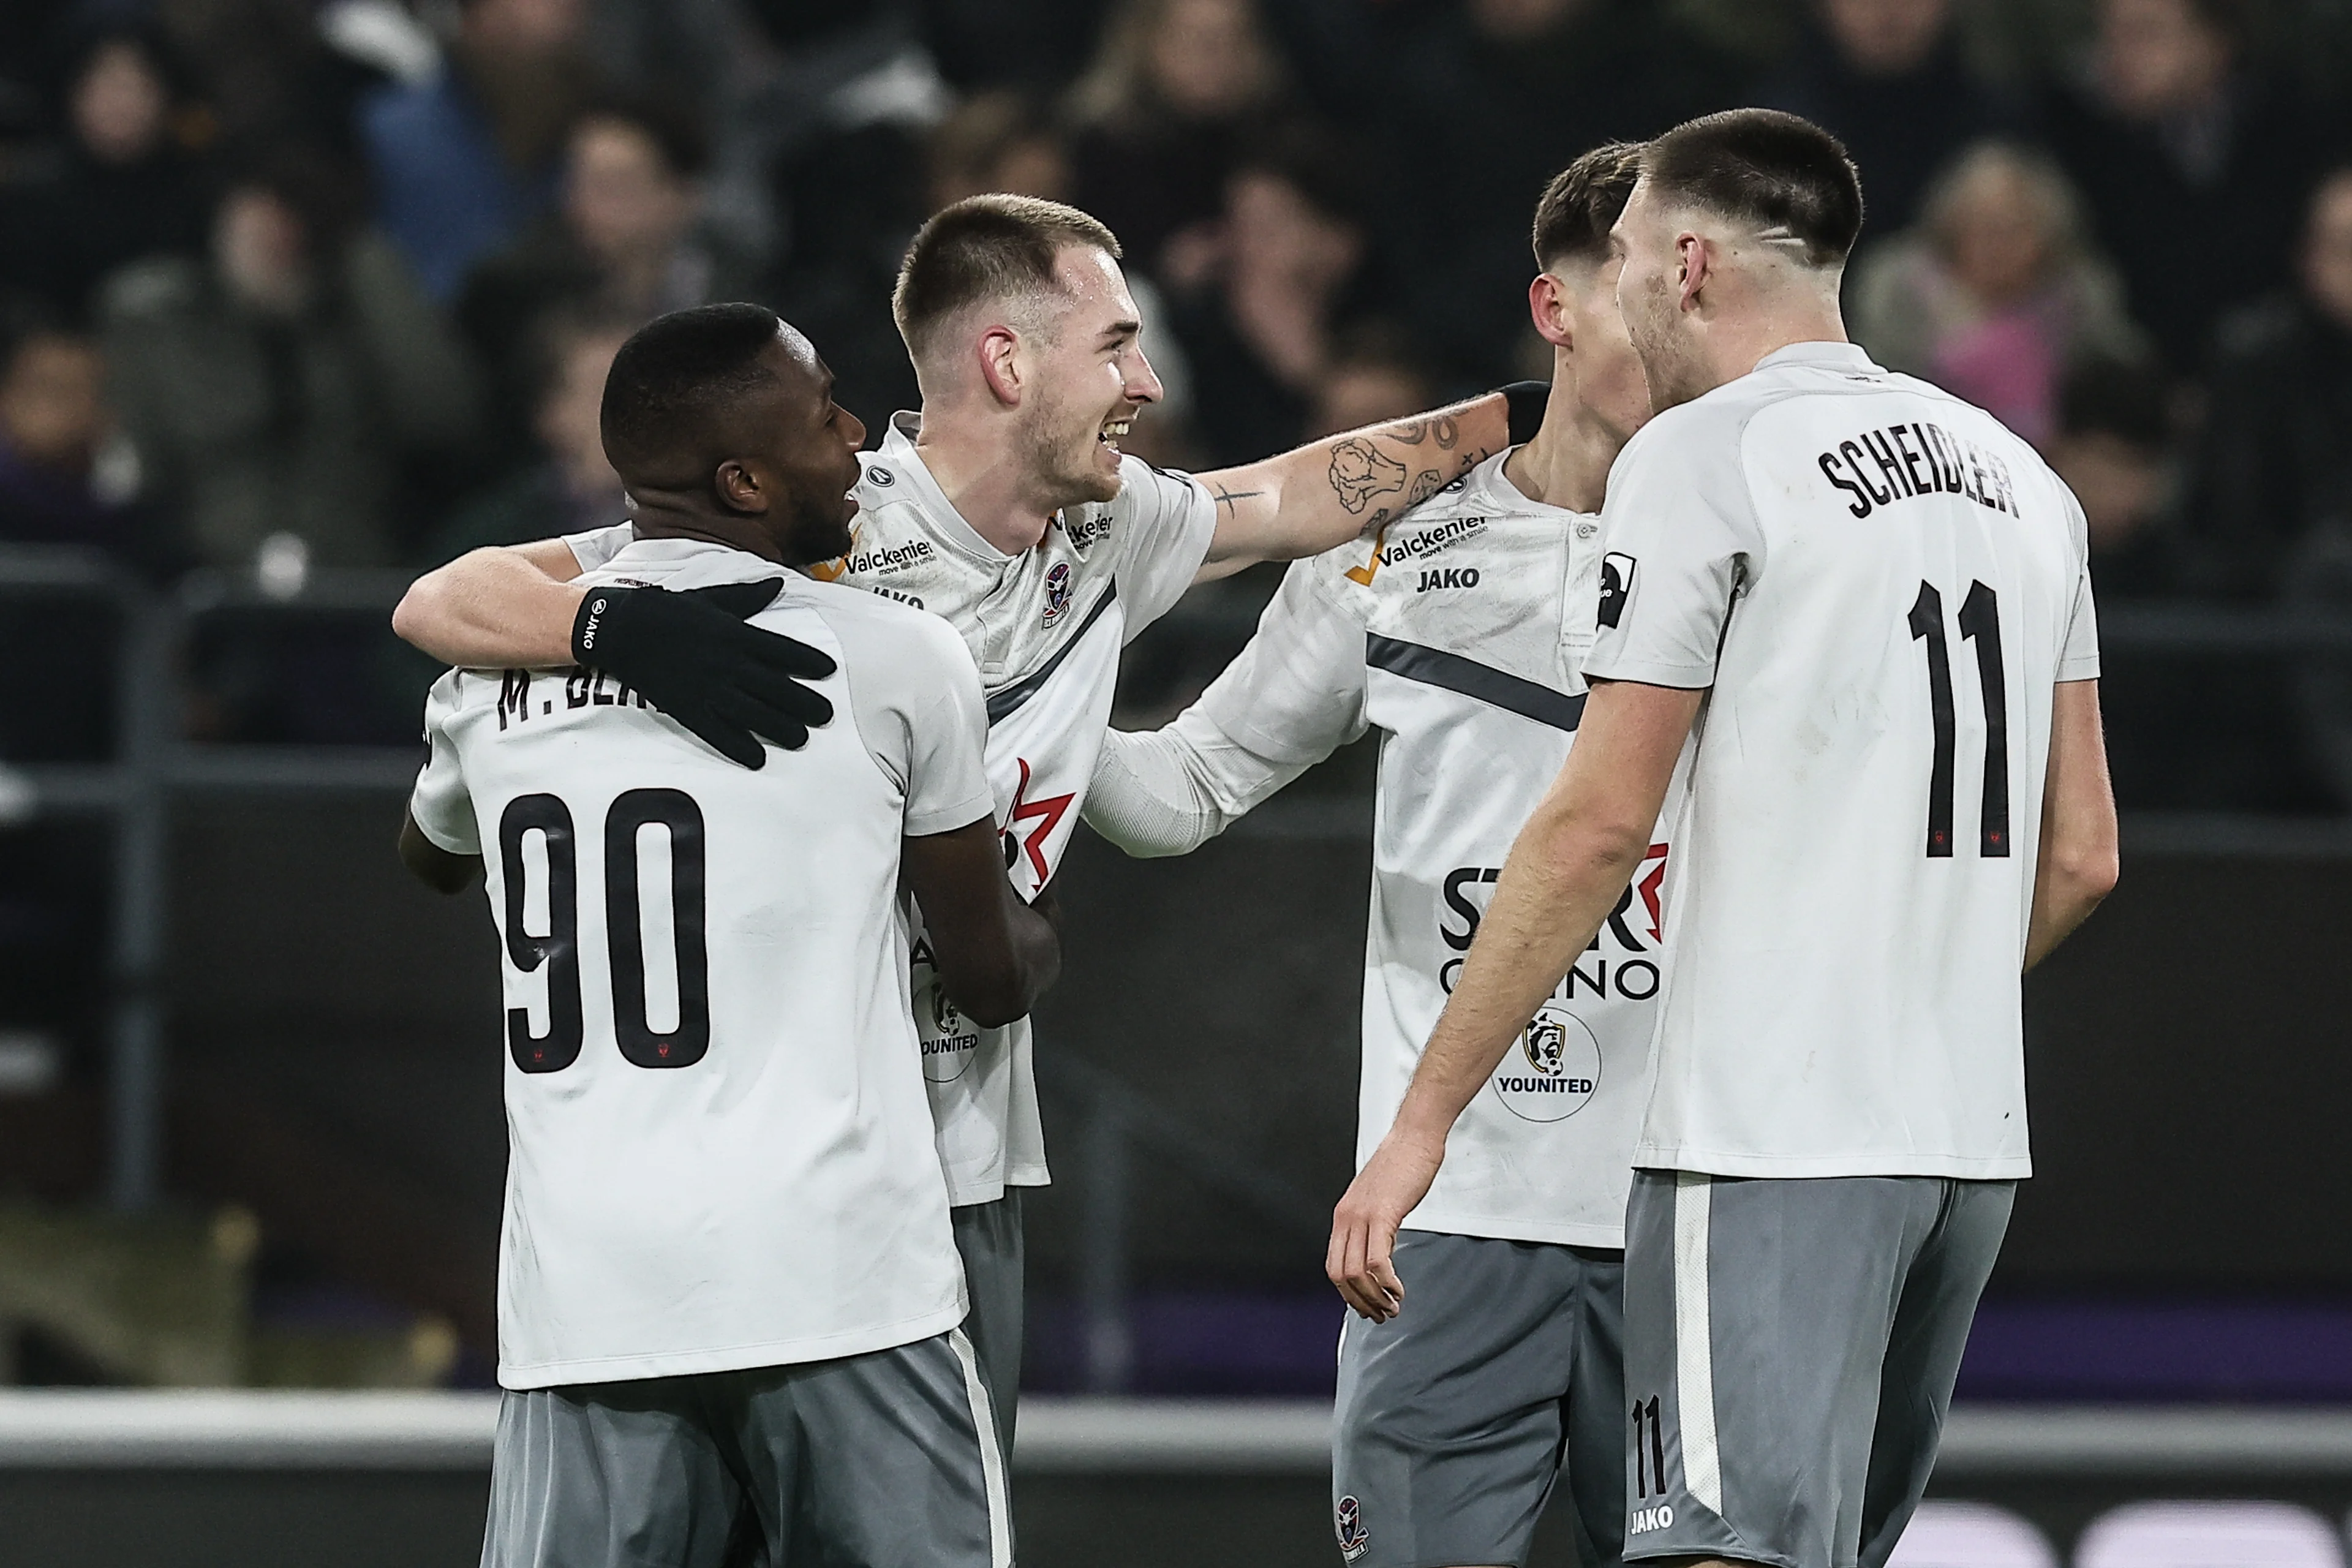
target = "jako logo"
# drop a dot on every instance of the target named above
(1451, 577)
(1645, 1520)
(588, 626)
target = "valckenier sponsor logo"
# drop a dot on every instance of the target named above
(889, 558)
(1429, 541)
(1083, 530)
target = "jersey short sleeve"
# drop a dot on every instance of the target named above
(1296, 693)
(1165, 522)
(916, 696)
(1678, 537)
(594, 550)
(440, 804)
(2078, 657)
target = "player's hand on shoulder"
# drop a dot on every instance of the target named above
(692, 656)
(1364, 1225)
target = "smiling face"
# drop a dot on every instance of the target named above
(798, 470)
(1090, 377)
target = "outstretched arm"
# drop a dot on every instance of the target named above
(503, 607)
(1561, 880)
(996, 955)
(1316, 497)
(1289, 698)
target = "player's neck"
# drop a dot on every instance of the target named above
(656, 522)
(1566, 463)
(1737, 344)
(981, 476)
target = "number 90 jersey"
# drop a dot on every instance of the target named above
(1880, 587)
(721, 1151)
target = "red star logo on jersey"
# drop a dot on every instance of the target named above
(1046, 812)
(1649, 888)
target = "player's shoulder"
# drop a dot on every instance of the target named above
(877, 633)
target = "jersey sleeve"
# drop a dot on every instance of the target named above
(1290, 699)
(1165, 521)
(915, 693)
(596, 549)
(1677, 536)
(2078, 657)
(1296, 693)
(440, 802)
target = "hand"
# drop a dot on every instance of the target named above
(1364, 1225)
(691, 656)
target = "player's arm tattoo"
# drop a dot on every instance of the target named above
(1360, 471)
(1441, 428)
(1232, 499)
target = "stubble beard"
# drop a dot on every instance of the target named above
(1059, 458)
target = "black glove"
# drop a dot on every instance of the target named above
(1525, 400)
(691, 656)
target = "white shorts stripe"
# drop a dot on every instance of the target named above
(992, 1461)
(1694, 1346)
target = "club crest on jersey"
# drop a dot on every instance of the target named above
(1557, 1069)
(1057, 592)
(952, 1042)
(1353, 1536)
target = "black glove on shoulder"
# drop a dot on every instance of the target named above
(691, 654)
(1525, 400)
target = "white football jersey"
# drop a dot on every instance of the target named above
(1045, 627)
(721, 1151)
(1459, 630)
(1880, 587)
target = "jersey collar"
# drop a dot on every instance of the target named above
(1849, 357)
(905, 461)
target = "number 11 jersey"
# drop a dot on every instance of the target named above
(1880, 587)
(721, 1148)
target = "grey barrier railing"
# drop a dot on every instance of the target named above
(152, 764)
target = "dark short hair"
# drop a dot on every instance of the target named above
(984, 247)
(1581, 206)
(1767, 168)
(676, 373)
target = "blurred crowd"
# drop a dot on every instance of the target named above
(289, 284)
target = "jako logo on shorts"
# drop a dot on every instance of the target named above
(1645, 1520)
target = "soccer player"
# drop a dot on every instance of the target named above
(1865, 605)
(728, 1293)
(1459, 630)
(1007, 507)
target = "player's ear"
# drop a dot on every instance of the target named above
(741, 487)
(999, 349)
(1696, 256)
(1548, 306)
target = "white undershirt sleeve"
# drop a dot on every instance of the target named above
(1293, 696)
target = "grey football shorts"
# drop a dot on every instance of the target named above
(988, 1239)
(1790, 1348)
(1501, 1377)
(882, 1460)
